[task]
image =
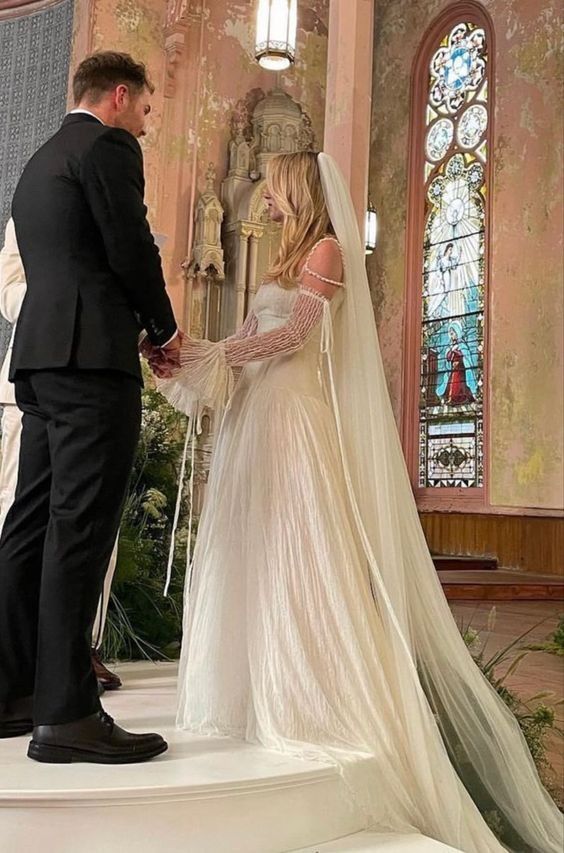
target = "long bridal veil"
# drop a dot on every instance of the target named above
(452, 717)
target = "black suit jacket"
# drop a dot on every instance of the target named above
(93, 271)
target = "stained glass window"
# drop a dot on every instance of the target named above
(451, 452)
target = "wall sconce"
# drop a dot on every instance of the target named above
(370, 229)
(277, 23)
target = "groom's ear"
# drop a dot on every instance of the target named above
(121, 96)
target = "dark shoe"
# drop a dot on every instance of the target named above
(96, 739)
(108, 680)
(16, 717)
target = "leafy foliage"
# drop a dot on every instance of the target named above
(555, 644)
(536, 715)
(141, 622)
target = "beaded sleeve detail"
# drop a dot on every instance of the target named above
(307, 268)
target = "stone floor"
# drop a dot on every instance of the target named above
(501, 622)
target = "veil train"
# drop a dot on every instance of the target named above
(452, 716)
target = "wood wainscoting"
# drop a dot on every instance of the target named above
(523, 543)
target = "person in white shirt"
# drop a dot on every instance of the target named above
(12, 292)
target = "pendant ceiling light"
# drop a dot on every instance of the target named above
(277, 22)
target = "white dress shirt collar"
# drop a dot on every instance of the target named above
(86, 112)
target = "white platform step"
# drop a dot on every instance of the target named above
(205, 795)
(375, 842)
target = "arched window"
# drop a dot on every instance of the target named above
(448, 257)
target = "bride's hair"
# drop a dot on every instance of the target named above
(294, 183)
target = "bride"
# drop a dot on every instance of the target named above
(315, 622)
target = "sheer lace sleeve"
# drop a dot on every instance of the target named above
(206, 368)
(306, 313)
(321, 276)
(248, 328)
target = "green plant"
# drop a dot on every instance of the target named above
(554, 645)
(536, 715)
(140, 621)
(536, 721)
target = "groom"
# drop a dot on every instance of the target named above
(94, 280)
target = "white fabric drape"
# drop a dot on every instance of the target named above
(483, 738)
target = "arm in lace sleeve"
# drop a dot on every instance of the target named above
(321, 277)
(248, 328)
(205, 377)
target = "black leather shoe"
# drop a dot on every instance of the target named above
(96, 739)
(16, 717)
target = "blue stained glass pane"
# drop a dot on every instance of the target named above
(457, 68)
(455, 427)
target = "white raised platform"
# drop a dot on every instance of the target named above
(202, 796)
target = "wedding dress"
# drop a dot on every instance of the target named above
(315, 623)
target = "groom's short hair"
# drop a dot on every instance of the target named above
(103, 71)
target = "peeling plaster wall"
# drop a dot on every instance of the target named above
(230, 71)
(526, 285)
(225, 69)
(136, 27)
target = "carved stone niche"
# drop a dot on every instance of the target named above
(278, 125)
(174, 51)
(205, 272)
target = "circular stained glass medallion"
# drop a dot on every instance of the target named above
(472, 126)
(458, 67)
(439, 139)
(475, 175)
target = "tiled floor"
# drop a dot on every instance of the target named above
(501, 622)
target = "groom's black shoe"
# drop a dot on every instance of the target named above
(96, 739)
(15, 717)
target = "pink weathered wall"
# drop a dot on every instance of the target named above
(136, 27)
(526, 296)
(212, 72)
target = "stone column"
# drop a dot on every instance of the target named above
(349, 93)
(253, 263)
(241, 277)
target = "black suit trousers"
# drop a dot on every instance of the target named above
(80, 431)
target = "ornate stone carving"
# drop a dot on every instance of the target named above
(208, 251)
(306, 138)
(177, 12)
(280, 126)
(205, 270)
(174, 49)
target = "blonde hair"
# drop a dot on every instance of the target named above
(294, 183)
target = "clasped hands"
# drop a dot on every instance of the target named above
(163, 361)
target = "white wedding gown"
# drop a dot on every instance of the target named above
(288, 641)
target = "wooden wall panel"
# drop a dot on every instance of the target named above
(530, 544)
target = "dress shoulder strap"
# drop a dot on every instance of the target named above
(307, 268)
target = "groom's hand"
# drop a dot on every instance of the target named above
(167, 358)
(172, 349)
(163, 361)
